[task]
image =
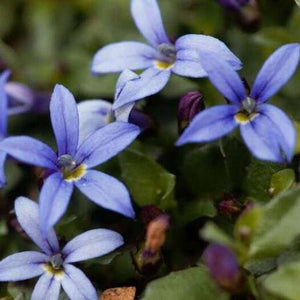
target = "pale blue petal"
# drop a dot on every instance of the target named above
(2, 169)
(20, 98)
(76, 285)
(187, 46)
(125, 76)
(47, 288)
(93, 114)
(275, 72)
(122, 113)
(149, 83)
(118, 57)
(284, 126)
(146, 15)
(65, 120)
(30, 151)
(27, 212)
(23, 265)
(107, 192)
(105, 143)
(262, 139)
(91, 244)
(3, 103)
(223, 77)
(54, 199)
(188, 64)
(209, 125)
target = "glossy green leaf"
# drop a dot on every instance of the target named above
(212, 233)
(147, 181)
(200, 207)
(192, 284)
(281, 181)
(284, 282)
(257, 182)
(279, 227)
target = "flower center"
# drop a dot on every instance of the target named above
(167, 56)
(248, 105)
(247, 112)
(70, 171)
(55, 265)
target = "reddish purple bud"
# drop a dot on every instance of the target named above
(149, 213)
(229, 206)
(223, 267)
(140, 119)
(190, 104)
(233, 4)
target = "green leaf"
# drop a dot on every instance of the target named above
(212, 233)
(285, 282)
(257, 183)
(192, 284)
(247, 224)
(281, 181)
(216, 168)
(279, 227)
(147, 181)
(195, 209)
(297, 2)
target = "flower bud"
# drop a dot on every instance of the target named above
(229, 206)
(224, 268)
(148, 258)
(188, 107)
(233, 5)
(246, 11)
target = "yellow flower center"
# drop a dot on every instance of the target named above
(75, 174)
(162, 65)
(53, 271)
(243, 118)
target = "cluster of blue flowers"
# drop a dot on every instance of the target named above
(94, 131)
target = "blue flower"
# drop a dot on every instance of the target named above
(3, 122)
(160, 57)
(53, 264)
(94, 114)
(266, 130)
(73, 162)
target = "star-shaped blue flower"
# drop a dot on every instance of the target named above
(160, 57)
(266, 130)
(55, 266)
(71, 166)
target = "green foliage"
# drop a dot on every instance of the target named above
(53, 41)
(279, 227)
(193, 284)
(284, 282)
(147, 181)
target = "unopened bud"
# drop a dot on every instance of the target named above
(229, 206)
(189, 106)
(149, 213)
(234, 5)
(224, 268)
(148, 259)
(246, 11)
(156, 233)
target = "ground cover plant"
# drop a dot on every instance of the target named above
(149, 149)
